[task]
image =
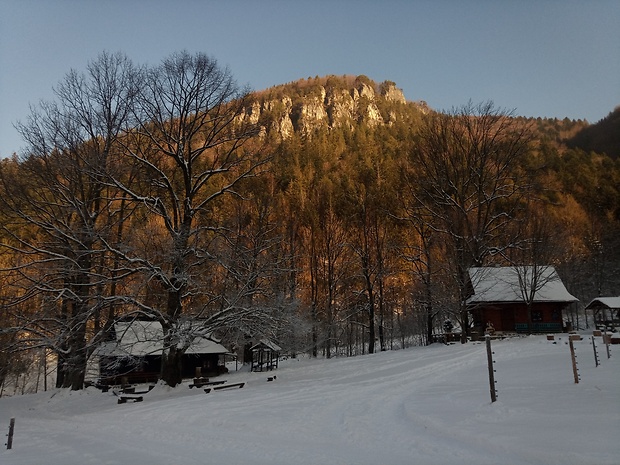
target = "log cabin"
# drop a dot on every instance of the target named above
(134, 350)
(517, 299)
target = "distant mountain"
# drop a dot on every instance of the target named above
(602, 137)
(304, 106)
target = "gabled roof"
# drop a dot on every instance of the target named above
(266, 344)
(608, 302)
(139, 338)
(501, 285)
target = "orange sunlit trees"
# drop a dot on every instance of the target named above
(58, 200)
(468, 182)
(192, 146)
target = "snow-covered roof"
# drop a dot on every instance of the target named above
(202, 345)
(502, 284)
(609, 302)
(267, 344)
(140, 337)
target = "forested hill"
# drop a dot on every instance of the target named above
(323, 121)
(332, 102)
(581, 157)
(330, 214)
(602, 137)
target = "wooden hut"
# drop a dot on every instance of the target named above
(133, 355)
(605, 312)
(497, 300)
(265, 355)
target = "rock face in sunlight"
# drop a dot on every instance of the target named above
(329, 102)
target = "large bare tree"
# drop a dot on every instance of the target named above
(468, 181)
(193, 147)
(59, 207)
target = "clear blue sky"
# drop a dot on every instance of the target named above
(549, 58)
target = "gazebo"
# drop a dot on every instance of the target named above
(606, 312)
(265, 355)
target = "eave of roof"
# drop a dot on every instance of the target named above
(609, 302)
(501, 285)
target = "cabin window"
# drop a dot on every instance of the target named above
(536, 315)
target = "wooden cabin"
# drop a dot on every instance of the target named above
(265, 355)
(133, 355)
(605, 312)
(497, 302)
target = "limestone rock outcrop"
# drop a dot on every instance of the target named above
(330, 102)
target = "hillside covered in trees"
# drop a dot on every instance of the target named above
(330, 213)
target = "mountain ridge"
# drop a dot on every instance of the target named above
(331, 102)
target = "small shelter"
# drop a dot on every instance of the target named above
(133, 355)
(497, 300)
(265, 355)
(606, 312)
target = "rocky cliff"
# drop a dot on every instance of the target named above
(328, 102)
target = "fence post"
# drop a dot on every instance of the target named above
(9, 442)
(596, 362)
(491, 370)
(606, 339)
(574, 360)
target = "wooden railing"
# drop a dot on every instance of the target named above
(538, 327)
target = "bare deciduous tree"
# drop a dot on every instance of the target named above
(58, 204)
(192, 146)
(468, 182)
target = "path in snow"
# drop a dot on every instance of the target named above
(421, 405)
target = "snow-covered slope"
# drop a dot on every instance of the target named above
(416, 406)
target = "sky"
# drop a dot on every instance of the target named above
(547, 58)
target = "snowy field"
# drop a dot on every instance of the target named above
(425, 405)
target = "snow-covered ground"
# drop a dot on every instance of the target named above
(426, 405)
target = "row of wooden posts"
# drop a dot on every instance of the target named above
(571, 338)
(490, 362)
(597, 360)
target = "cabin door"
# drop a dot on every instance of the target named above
(508, 320)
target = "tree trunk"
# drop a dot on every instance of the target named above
(77, 374)
(72, 359)
(371, 325)
(171, 368)
(464, 324)
(61, 369)
(382, 344)
(429, 324)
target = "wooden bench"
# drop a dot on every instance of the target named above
(206, 383)
(224, 386)
(199, 382)
(122, 399)
(132, 390)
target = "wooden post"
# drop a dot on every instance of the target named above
(574, 360)
(9, 442)
(606, 339)
(491, 370)
(595, 352)
(45, 370)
